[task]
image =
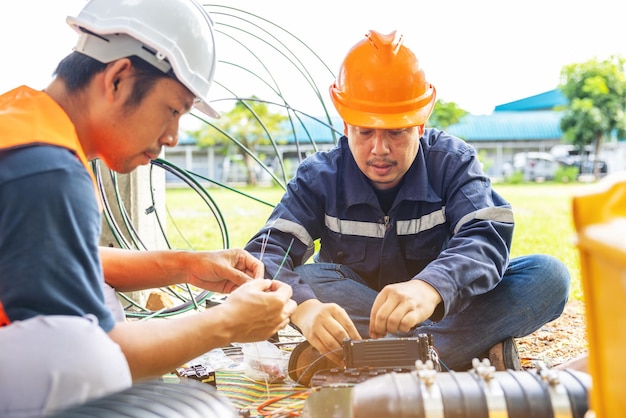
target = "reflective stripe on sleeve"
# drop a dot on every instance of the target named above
(487, 214)
(295, 229)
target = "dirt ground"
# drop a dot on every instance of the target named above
(558, 341)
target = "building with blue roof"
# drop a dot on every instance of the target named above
(531, 124)
(543, 101)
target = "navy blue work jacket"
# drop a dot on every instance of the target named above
(447, 226)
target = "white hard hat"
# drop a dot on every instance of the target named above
(169, 34)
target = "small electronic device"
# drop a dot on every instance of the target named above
(197, 372)
(388, 352)
(363, 359)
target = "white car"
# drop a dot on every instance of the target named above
(535, 166)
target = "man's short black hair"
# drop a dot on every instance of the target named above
(77, 69)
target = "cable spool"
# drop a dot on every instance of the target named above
(481, 392)
(157, 399)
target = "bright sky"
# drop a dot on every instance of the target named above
(477, 53)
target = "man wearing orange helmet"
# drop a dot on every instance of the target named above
(413, 237)
(137, 67)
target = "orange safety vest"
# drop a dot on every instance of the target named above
(29, 117)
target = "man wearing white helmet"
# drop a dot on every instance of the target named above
(137, 67)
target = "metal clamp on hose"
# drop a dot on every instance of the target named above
(482, 391)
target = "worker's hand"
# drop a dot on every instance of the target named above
(224, 270)
(401, 306)
(325, 326)
(258, 309)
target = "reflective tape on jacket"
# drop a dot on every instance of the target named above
(413, 226)
(296, 230)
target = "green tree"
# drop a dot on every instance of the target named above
(445, 114)
(248, 124)
(596, 91)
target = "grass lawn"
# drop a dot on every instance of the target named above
(542, 214)
(544, 224)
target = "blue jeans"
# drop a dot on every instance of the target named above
(532, 292)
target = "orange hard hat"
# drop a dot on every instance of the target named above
(381, 85)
